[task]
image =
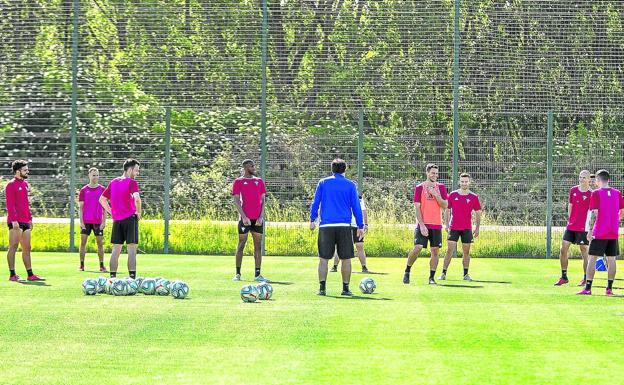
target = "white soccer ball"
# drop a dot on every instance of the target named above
(179, 290)
(249, 293)
(108, 286)
(132, 286)
(120, 287)
(90, 286)
(367, 285)
(148, 286)
(101, 281)
(265, 291)
(139, 280)
(162, 286)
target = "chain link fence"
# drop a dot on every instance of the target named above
(387, 85)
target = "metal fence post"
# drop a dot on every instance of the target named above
(74, 123)
(167, 184)
(263, 103)
(360, 158)
(549, 185)
(456, 40)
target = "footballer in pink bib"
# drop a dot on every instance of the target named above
(462, 203)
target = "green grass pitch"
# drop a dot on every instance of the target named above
(511, 326)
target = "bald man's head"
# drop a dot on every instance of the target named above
(584, 179)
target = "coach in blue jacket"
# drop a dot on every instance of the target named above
(337, 198)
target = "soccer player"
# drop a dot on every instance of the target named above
(430, 198)
(576, 232)
(248, 193)
(458, 221)
(92, 218)
(359, 243)
(125, 209)
(19, 220)
(608, 206)
(336, 200)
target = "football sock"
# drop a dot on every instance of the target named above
(431, 274)
(610, 284)
(588, 284)
(408, 268)
(12, 273)
(322, 285)
(257, 271)
(113, 274)
(465, 272)
(345, 286)
(238, 270)
(132, 274)
(29, 271)
(564, 274)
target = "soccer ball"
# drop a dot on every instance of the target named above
(120, 287)
(139, 280)
(133, 286)
(179, 290)
(265, 291)
(101, 281)
(90, 286)
(108, 286)
(162, 287)
(148, 286)
(367, 285)
(249, 293)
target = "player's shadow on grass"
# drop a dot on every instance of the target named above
(501, 282)
(359, 297)
(465, 286)
(604, 287)
(606, 279)
(370, 272)
(34, 283)
(281, 283)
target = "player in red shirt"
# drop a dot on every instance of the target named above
(248, 192)
(92, 218)
(19, 220)
(607, 205)
(430, 199)
(576, 231)
(125, 209)
(458, 218)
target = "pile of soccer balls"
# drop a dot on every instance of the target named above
(128, 286)
(251, 293)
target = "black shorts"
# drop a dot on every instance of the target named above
(604, 247)
(338, 238)
(466, 236)
(576, 237)
(434, 238)
(126, 231)
(22, 225)
(92, 227)
(253, 228)
(355, 237)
